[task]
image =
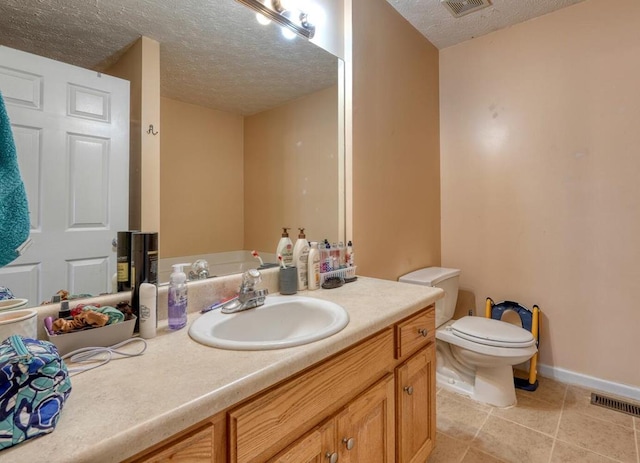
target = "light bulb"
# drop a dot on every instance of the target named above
(316, 15)
(262, 19)
(288, 33)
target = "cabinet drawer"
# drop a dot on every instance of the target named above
(415, 332)
(265, 425)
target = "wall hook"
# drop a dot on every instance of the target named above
(151, 130)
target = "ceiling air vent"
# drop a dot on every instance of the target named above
(463, 7)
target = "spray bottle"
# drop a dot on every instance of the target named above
(177, 297)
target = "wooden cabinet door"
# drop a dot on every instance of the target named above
(319, 446)
(366, 426)
(197, 447)
(416, 406)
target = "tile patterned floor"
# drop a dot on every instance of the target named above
(554, 424)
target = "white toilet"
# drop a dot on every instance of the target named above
(475, 355)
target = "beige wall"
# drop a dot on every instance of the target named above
(291, 171)
(540, 187)
(201, 179)
(140, 65)
(396, 170)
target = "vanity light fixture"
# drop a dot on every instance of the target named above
(293, 19)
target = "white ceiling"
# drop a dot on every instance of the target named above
(214, 53)
(435, 22)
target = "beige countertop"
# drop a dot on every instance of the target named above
(128, 405)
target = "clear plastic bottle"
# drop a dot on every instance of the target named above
(325, 257)
(177, 298)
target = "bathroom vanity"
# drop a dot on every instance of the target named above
(365, 394)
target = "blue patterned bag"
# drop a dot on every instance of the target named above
(34, 384)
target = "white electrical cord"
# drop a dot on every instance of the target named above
(88, 354)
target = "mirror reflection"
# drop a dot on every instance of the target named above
(247, 128)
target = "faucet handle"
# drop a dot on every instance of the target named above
(250, 278)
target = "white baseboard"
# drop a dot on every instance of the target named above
(590, 382)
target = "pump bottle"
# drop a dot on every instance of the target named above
(177, 303)
(285, 248)
(300, 259)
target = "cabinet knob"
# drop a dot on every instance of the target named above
(332, 457)
(423, 332)
(408, 389)
(349, 443)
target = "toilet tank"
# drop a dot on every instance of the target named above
(439, 277)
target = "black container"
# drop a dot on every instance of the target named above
(125, 260)
(144, 266)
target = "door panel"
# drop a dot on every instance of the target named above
(71, 127)
(416, 406)
(366, 427)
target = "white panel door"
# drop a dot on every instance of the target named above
(71, 128)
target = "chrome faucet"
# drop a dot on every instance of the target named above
(248, 297)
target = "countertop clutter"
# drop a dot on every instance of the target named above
(130, 404)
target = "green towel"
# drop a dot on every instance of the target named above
(115, 316)
(14, 209)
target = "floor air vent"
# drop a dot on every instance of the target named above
(460, 8)
(615, 404)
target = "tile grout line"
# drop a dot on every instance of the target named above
(479, 429)
(635, 434)
(464, 454)
(555, 436)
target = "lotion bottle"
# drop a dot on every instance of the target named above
(300, 259)
(285, 248)
(177, 303)
(148, 310)
(313, 267)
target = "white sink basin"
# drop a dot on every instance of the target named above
(283, 321)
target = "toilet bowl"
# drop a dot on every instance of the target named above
(474, 355)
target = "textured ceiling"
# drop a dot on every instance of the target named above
(435, 22)
(213, 53)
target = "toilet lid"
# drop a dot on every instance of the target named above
(492, 332)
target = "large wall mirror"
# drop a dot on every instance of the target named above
(249, 128)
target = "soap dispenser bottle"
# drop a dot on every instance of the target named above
(285, 248)
(300, 259)
(177, 303)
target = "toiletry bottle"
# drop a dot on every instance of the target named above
(144, 267)
(64, 312)
(300, 259)
(125, 260)
(335, 256)
(342, 249)
(177, 297)
(285, 248)
(148, 310)
(326, 264)
(324, 254)
(313, 266)
(350, 257)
